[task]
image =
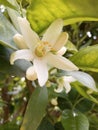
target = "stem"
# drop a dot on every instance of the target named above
(78, 101)
(81, 40)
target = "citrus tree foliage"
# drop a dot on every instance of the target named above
(69, 99)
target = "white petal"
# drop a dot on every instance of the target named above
(59, 89)
(69, 79)
(31, 74)
(61, 41)
(21, 54)
(30, 37)
(20, 42)
(84, 78)
(67, 87)
(41, 70)
(62, 51)
(60, 62)
(52, 33)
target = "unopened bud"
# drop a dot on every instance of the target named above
(31, 74)
(18, 39)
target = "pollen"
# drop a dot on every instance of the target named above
(42, 49)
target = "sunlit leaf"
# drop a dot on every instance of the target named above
(42, 12)
(72, 120)
(35, 109)
(87, 58)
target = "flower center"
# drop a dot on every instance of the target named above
(42, 49)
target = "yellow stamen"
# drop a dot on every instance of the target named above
(42, 49)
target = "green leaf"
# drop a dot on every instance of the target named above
(7, 31)
(72, 120)
(93, 121)
(45, 125)
(35, 109)
(42, 12)
(6, 3)
(87, 58)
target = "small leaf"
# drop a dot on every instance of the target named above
(72, 120)
(35, 109)
(7, 31)
(87, 58)
(71, 11)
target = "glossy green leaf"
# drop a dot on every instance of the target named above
(8, 4)
(87, 58)
(72, 120)
(35, 109)
(42, 12)
(7, 31)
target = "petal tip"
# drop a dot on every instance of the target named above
(12, 59)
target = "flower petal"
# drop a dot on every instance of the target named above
(41, 70)
(21, 54)
(59, 89)
(30, 37)
(20, 42)
(52, 33)
(69, 79)
(62, 51)
(61, 41)
(60, 62)
(67, 87)
(31, 74)
(84, 78)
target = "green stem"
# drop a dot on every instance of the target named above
(81, 40)
(77, 102)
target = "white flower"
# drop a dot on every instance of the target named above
(82, 77)
(64, 83)
(41, 52)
